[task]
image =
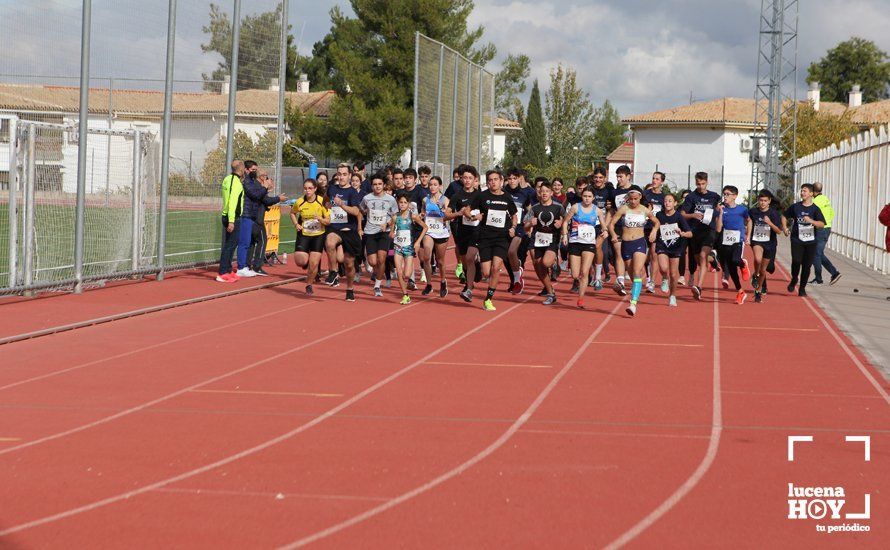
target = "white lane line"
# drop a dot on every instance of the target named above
(277, 496)
(514, 427)
(271, 442)
(710, 455)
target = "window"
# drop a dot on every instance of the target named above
(4, 130)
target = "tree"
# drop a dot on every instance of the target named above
(816, 130)
(533, 142)
(608, 133)
(372, 55)
(570, 117)
(258, 49)
(262, 151)
(855, 61)
(509, 85)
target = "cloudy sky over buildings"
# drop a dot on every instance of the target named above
(642, 55)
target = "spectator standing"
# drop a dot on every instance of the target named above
(884, 218)
(821, 260)
(233, 203)
(259, 237)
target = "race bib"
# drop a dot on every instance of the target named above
(669, 232)
(587, 234)
(543, 239)
(338, 215)
(731, 237)
(519, 206)
(311, 226)
(496, 218)
(632, 219)
(472, 222)
(762, 233)
(377, 217)
(620, 200)
(435, 225)
(708, 215)
(403, 238)
(656, 208)
(806, 232)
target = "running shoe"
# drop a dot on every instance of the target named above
(607, 277)
(665, 286)
(246, 272)
(681, 281)
(815, 282)
(521, 283)
(576, 286)
(543, 293)
(423, 277)
(590, 281)
(791, 285)
(564, 265)
(551, 299)
(412, 285)
(757, 298)
(467, 295)
(488, 306)
(224, 279)
(746, 273)
(378, 293)
(763, 287)
(261, 272)
(443, 290)
(741, 297)
(650, 287)
(405, 300)
(309, 291)
(516, 287)
(631, 310)
(802, 292)
(597, 285)
(580, 304)
(672, 301)
(754, 281)
(696, 293)
(388, 283)
(834, 278)
(427, 289)
(462, 279)
(725, 284)
(332, 276)
(459, 271)
(714, 261)
(350, 295)
(555, 272)
(357, 278)
(619, 289)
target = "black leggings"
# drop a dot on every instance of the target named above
(802, 255)
(731, 260)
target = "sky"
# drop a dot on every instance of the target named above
(641, 55)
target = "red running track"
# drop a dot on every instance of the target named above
(437, 424)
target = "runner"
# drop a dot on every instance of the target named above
(344, 241)
(523, 198)
(435, 207)
(671, 246)
(654, 198)
(619, 197)
(497, 213)
(602, 198)
(805, 217)
(684, 259)
(734, 226)
(766, 223)
(425, 173)
(310, 215)
(634, 245)
(403, 246)
(378, 209)
(701, 209)
(465, 224)
(545, 223)
(582, 230)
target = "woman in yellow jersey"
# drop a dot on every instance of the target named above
(310, 215)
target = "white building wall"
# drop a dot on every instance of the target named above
(677, 151)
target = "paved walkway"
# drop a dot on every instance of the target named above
(859, 303)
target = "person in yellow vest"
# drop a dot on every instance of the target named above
(821, 260)
(233, 204)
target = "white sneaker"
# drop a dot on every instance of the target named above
(246, 272)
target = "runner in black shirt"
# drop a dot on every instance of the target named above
(545, 227)
(463, 227)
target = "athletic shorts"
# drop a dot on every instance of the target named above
(351, 242)
(438, 241)
(769, 249)
(675, 251)
(575, 249)
(629, 248)
(539, 252)
(701, 238)
(309, 244)
(377, 242)
(464, 238)
(404, 251)
(493, 248)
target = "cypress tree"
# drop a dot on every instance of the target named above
(534, 137)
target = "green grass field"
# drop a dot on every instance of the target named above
(192, 236)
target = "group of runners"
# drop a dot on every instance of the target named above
(383, 222)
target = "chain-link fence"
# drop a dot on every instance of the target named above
(453, 109)
(78, 210)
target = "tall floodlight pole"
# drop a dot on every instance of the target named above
(166, 131)
(233, 86)
(82, 127)
(775, 96)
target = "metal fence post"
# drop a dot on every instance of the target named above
(108, 138)
(82, 128)
(28, 225)
(416, 96)
(438, 108)
(492, 116)
(479, 141)
(11, 217)
(469, 108)
(282, 76)
(165, 144)
(233, 85)
(135, 205)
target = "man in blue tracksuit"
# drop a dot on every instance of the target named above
(253, 196)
